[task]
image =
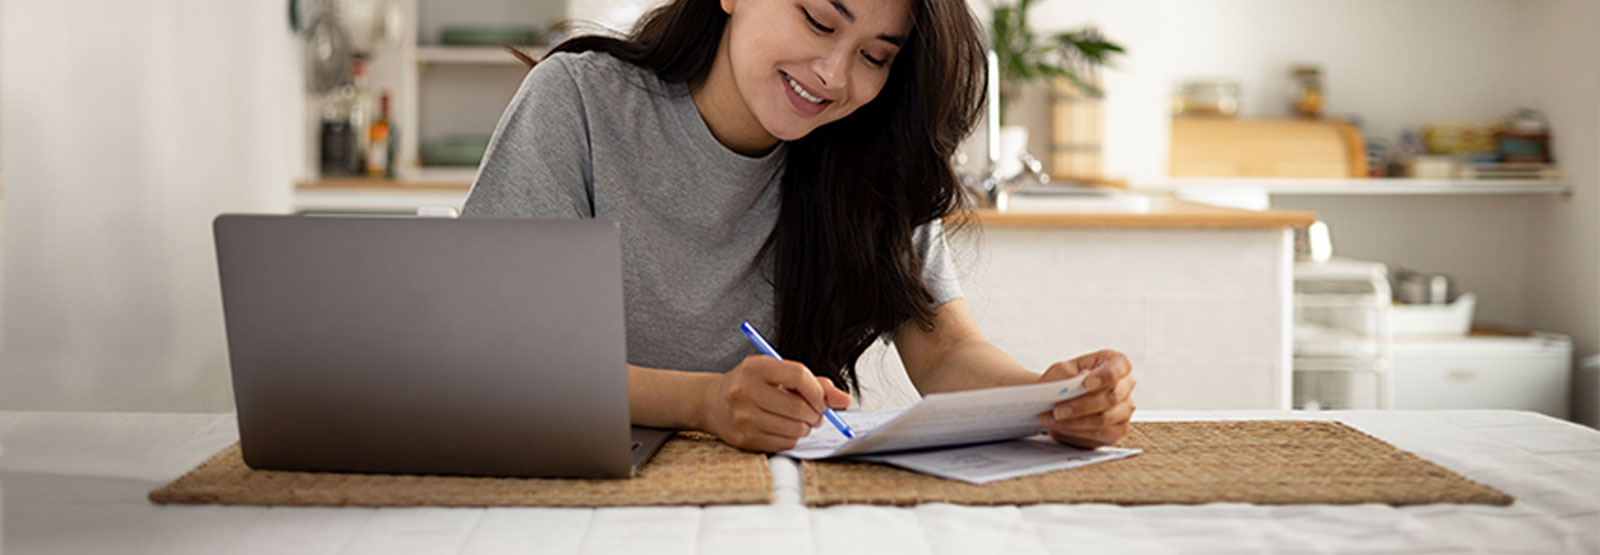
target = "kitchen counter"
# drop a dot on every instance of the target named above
(1165, 212)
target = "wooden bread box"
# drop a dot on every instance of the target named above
(1217, 147)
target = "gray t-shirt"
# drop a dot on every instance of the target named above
(591, 136)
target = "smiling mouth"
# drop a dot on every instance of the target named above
(799, 90)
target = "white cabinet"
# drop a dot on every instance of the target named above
(1530, 372)
(1204, 314)
(1342, 356)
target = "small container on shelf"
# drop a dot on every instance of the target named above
(1307, 97)
(1431, 167)
(1213, 97)
(1453, 318)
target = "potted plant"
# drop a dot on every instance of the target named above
(1026, 57)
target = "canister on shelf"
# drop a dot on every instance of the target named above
(1212, 97)
(1308, 95)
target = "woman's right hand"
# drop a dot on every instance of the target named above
(766, 404)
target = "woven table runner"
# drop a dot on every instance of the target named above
(1275, 462)
(691, 469)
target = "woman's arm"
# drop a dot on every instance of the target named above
(763, 404)
(955, 356)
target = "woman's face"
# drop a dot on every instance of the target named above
(799, 64)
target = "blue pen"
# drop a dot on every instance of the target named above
(766, 349)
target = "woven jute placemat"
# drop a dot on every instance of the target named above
(1274, 462)
(691, 469)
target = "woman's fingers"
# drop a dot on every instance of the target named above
(1117, 415)
(796, 378)
(781, 425)
(1095, 402)
(1061, 371)
(835, 397)
(785, 403)
(757, 440)
(1102, 416)
(1108, 432)
(762, 404)
(1106, 368)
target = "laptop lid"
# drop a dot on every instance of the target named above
(426, 345)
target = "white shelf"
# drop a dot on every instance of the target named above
(1376, 186)
(473, 55)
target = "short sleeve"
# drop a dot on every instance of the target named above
(538, 163)
(938, 271)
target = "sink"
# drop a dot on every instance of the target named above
(1070, 198)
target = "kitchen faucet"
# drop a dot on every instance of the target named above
(992, 189)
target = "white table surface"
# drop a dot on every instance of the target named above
(76, 483)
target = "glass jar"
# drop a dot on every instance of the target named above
(1207, 98)
(1306, 96)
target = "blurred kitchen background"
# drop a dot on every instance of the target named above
(1449, 148)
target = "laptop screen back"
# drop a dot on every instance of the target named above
(427, 346)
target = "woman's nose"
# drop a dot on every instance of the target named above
(832, 70)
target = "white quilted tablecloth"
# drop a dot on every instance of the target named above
(75, 483)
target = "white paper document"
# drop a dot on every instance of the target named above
(989, 462)
(941, 420)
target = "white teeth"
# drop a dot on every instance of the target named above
(801, 91)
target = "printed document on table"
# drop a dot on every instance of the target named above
(942, 420)
(989, 462)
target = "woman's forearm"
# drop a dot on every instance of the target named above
(952, 355)
(668, 398)
(971, 364)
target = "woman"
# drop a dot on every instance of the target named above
(784, 162)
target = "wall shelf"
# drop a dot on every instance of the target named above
(1375, 186)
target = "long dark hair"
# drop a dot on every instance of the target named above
(853, 191)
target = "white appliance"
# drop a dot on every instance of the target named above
(1586, 393)
(1342, 354)
(1519, 371)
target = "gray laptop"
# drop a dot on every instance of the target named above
(429, 345)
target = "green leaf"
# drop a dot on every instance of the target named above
(1024, 57)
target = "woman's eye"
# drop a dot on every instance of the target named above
(873, 61)
(813, 21)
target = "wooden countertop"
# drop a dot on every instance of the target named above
(1165, 212)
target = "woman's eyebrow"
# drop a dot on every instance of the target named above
(844, 11)
(837, 5)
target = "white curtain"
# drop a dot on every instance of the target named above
(124, 128)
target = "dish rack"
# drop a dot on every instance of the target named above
(1343, 356)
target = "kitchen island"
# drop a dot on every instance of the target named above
(1199, 297)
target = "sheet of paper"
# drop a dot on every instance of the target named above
(939, 420)
(989, 462)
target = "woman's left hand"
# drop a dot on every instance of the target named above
(1099, 417)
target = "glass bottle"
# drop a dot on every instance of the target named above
(380, 145)
(359, 98)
